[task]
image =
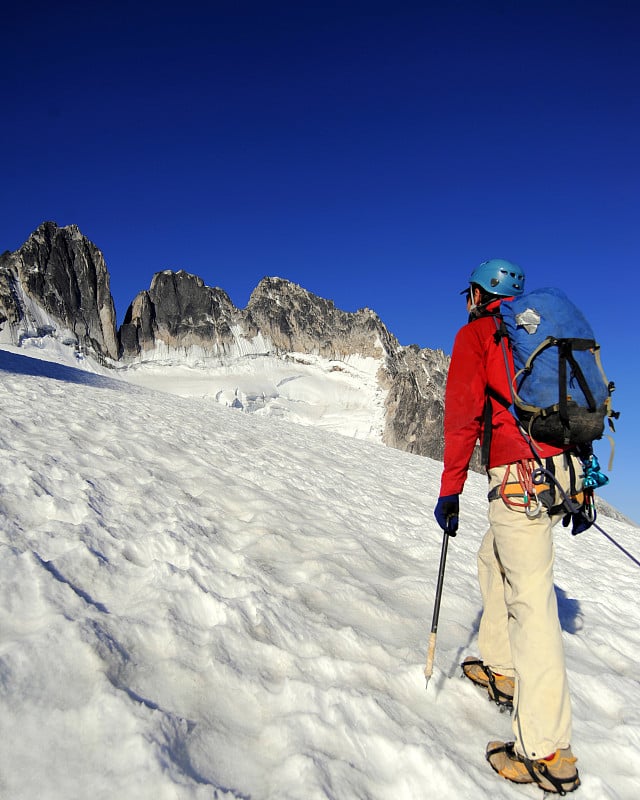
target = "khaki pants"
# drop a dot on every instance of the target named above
(520, 631)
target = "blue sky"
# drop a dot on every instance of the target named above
(372, 152)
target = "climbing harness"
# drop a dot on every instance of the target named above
(519, 491)
(534, 488)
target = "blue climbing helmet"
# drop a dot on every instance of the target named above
(499, 276)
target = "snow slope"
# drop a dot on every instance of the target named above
(198, 603)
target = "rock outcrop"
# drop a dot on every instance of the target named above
(178, 312)
(58, 280)
(415, 402)
(296, 320)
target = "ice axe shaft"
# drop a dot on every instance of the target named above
(431, 651)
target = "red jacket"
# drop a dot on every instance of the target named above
(477, 364)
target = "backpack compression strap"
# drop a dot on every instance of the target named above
(565, 355)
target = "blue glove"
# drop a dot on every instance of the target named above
(446, 513)
(580, 522)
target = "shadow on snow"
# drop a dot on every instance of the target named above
(25, 365)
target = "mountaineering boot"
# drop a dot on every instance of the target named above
(556, 774)
(499, 687)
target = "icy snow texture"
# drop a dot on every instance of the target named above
(198, 603)
(343, 396)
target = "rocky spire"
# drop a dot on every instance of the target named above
(178, 312)
(58, 280)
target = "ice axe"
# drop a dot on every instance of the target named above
(431, 652)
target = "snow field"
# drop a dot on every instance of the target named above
(199, 603)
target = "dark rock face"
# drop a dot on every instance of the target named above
(180, 312)
(415, 402)
(62, 273)
(8, 300)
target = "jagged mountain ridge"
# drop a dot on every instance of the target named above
(57, 284)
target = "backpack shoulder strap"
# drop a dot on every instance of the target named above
(501, 337)
(487, 422)
(490, 394)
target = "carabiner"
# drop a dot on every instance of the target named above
(532, 514)
(589, 506)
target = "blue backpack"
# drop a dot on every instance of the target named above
(560, 394)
